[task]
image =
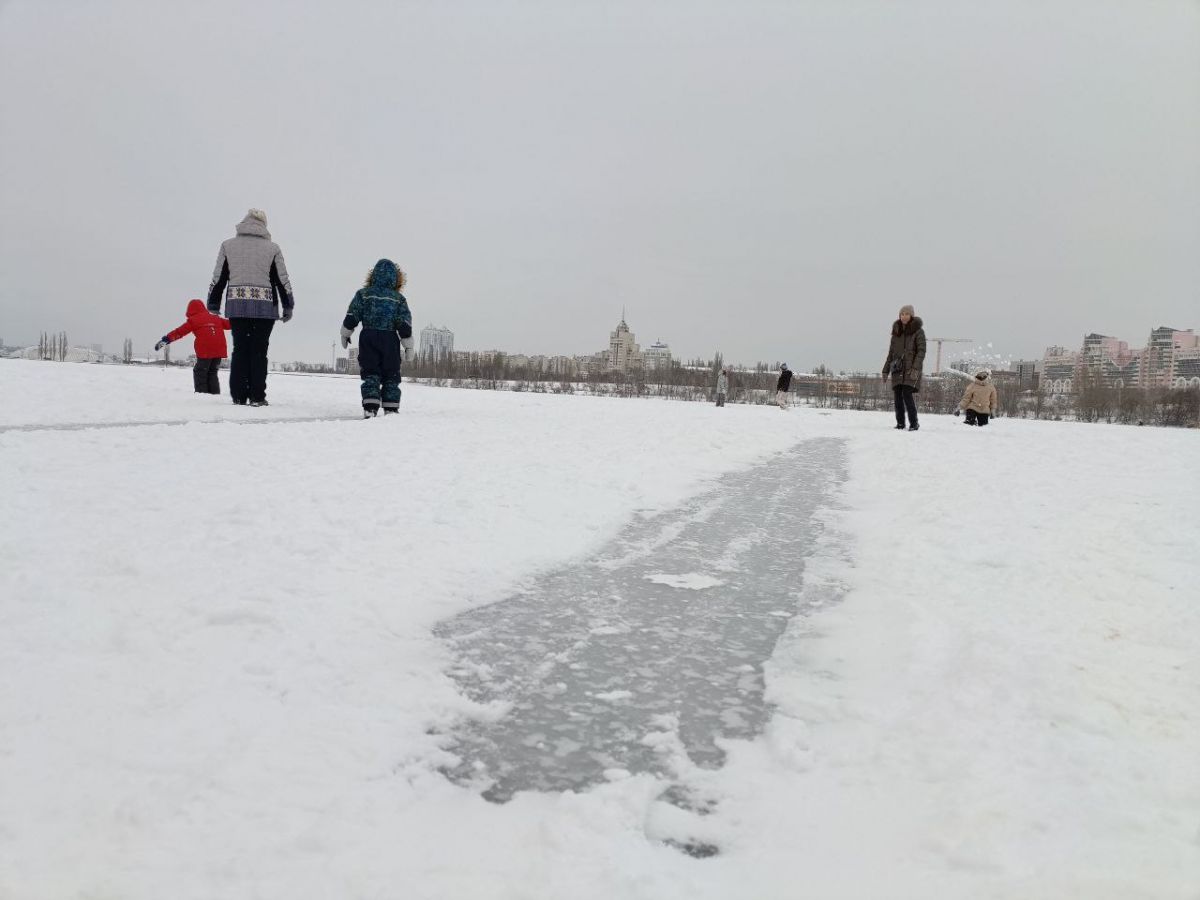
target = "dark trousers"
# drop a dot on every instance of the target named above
(379, 365)
(905, 401)
(204, 376)
(977, 418)
(248, 367)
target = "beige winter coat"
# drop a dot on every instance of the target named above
(980, 396)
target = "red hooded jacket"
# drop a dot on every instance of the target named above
(209, 330)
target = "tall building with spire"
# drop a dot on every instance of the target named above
(624, 353)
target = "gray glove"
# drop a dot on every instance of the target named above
(346, 333)
(409, 352)
(287, 314)
(957, 413)
(162, 343)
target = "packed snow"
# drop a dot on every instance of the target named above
(225, 672)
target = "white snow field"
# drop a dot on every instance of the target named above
(222, 674)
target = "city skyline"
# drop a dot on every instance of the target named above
(623, 353)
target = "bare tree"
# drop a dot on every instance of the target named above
(1180, 408)
(1039, 400)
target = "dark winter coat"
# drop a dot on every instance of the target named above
(907, 352)
(208, 329)
(785, 380)
(251, 275)
(379, 304)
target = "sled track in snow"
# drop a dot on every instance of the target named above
(89, 426)
(640, 659)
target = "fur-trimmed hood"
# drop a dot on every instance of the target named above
(378, 304)
(385, 275)
(915, 324)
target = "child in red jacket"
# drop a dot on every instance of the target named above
(209, 329)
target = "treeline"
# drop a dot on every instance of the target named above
(681, 380)
(1095, 400)
(53, 346)
(56, 348)
(695, 380)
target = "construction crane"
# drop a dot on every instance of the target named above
(937, 367)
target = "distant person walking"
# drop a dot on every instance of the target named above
(722, 386)
(980, 399)
(782, 385)
(251, 277)
(905, 360)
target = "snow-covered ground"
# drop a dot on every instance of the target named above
(220, 677)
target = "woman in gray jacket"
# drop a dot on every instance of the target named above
(252, 278)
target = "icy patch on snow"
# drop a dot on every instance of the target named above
(614, 695)
(692, 581)
(555, 654)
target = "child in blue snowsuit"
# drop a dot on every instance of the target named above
(386, 340)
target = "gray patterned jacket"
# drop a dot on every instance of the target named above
(251, 275)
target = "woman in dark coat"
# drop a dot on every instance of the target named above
(905, 359)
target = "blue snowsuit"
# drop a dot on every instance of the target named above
(386, 320)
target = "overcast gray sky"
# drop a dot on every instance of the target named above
(772, 180)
